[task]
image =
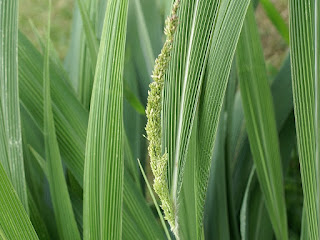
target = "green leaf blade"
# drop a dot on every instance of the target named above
(66, 222)
(183, 83)
(104, 164)
(303, 84)
(261, 125)
(10, 95)
(230, 18)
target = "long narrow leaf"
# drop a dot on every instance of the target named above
(66, 223)
(10, 95)
(103, 172)
(303, 84)
(261, 124)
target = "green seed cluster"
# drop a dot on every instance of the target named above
(159, 161)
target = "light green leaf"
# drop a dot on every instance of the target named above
(104, 165)
(261, 124)
(225, 38)
(65, 220)
(303, 55)
(192, 40)
(10, 96)
(71, 125)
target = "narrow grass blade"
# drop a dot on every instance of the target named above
(10, 95)
(276, 19)
(65, 220)
(303, 55)
(104, 165)
(225, 38)
(261, 123)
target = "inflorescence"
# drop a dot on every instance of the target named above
(159, 161)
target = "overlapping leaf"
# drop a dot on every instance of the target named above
(71, 126)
